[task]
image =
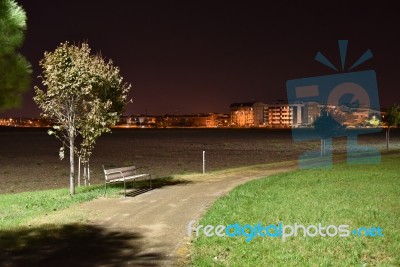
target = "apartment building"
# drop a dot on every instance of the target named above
(242, 114)
(258, 114)
(284, 115)
(311, 112)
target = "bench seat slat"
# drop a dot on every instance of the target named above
(119, 175)
(119, 179)
(123, 169)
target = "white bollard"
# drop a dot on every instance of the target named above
(204, 162)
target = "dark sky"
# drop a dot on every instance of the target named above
(198, 56)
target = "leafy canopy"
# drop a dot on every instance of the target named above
(393, 115)
(15, 71)
(85, 94)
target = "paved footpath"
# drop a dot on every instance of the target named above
(160, 217)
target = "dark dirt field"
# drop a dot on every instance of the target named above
(29, 157)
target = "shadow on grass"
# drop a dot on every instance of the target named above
(73, 245)
(140, 187)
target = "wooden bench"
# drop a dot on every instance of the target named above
(123, 175)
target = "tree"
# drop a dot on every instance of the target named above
(392, 119)
(15, 71)
(85, 97)
(102, 110)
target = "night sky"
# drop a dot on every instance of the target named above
(197, 56)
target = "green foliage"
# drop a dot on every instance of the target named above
(373, 122)
(357, 195)
(14, 68)
(104, 106)
(12, 26)
(85, 96)
(393, 115)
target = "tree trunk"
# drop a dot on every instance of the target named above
(79, 171)
(88, 172)
(71, 162)
(85, 173)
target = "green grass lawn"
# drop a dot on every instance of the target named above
(17, 209)
(354, 195)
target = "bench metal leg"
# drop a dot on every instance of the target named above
(105, 189)
(125, 187)
(151, 186)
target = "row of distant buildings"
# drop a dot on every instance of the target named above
(140, 121)
(250, 114)
(164, 121)
(24, 122)
(259, 114)
(299, 114)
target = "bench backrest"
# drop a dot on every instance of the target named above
(115, 173)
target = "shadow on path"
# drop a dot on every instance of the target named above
(140, 187)
(73, 245)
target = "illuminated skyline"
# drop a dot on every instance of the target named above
(197, 57)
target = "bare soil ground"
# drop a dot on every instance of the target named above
(29, 157)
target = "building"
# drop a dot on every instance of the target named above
(279, 115)
(250, 114)
(293, 115)
(259, 114)
(311, 112)
(242, 114)
(138, 120)
(194, 120)
(360, 116)
(223, 120)
(284, 115)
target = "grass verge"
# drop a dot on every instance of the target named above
(354, 195)
(16, 209)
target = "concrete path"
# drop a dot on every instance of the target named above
(160, 217)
